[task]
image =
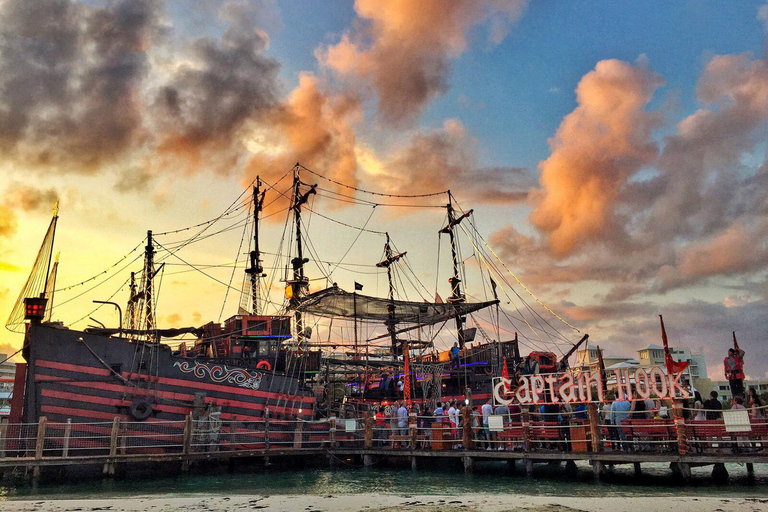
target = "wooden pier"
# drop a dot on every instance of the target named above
(30, 449)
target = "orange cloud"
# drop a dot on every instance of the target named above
(8, 222)
(596, 149)
(404, 48)
(313, 128)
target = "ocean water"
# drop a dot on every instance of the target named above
(447, 479)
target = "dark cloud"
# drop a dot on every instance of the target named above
(225, 83)
(446, 159)
(70, 77)
(27, 198)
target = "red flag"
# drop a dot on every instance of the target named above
(735, 343)
(672, 365)
(603, 376)
(406, 376)
(505, 375)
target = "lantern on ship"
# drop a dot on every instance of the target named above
(34, 308)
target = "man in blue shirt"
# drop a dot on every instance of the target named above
(455, 354)
(402, 419)
(620, 411)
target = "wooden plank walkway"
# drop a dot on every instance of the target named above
(33, 447)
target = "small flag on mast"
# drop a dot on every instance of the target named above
(505, 376)
(493, 287)
(672, 365)
(358, 287)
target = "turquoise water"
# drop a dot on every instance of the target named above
(487, 478)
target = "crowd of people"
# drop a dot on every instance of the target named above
(448, 416)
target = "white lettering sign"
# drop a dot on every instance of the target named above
(566, 387)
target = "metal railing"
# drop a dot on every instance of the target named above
(526, 429)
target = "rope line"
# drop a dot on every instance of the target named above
(368, 191)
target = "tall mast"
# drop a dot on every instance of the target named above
(457, 296)
(149, 274)
(50, 287)
(130, 311)
(389, 259)
(299, 283)
(255, 271)
(54, 221)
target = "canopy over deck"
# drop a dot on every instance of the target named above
(335, 302)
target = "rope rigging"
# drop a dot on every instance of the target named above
(237, 216)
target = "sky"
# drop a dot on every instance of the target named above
(614, 152)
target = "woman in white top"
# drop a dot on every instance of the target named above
(698, 406)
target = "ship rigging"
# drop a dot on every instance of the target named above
(305, 334)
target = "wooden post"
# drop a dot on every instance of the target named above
(412, 429)
(186, 443)
(598, 469)
(526, 421)
(39, 446)
(466, 422)
(232, 434)
(67, 435)
(680, 428)
(298, 434)
(40, 441)
(594, 427)
(3, 436)
(109, 467)
(467, 464)
(266, 429)
(368, 436)
(332, 432)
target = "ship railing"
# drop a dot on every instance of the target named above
(528, 430)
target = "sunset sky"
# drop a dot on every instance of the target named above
(614, 152)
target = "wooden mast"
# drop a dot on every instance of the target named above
(457, 295)
(299, 283)
(255, 271)
(389, 259)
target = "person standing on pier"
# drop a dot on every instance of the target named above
(734, 369)
(713, 407)
(755, 404)
(487, 411)
(402, 419)
(619, 412)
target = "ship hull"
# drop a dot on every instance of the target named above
(82, 377)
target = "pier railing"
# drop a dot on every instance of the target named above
(526, 430)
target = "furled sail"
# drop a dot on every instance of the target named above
(335, 302)
(38, 283)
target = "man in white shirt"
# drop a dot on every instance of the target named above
(487, 411)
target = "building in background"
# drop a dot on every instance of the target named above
(586, 359)
(7, 374)
(653, 355)
(724, 389)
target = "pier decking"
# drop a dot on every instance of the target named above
(679, 443)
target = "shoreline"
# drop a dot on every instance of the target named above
(390, 503)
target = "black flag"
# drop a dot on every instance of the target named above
(358, 287)
(493, 287)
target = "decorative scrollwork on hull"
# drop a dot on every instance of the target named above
(221, 373)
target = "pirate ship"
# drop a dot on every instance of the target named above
(317, 352)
